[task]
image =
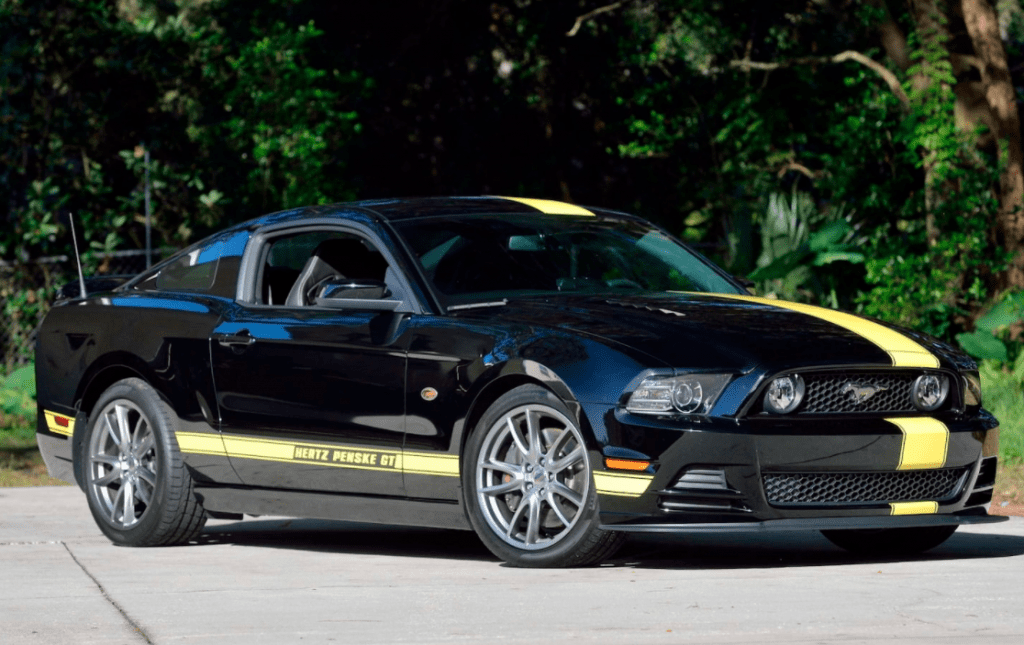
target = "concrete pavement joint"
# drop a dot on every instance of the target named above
(120, 610)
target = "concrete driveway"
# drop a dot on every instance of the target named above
(274, 580)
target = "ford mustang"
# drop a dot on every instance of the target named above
(549, 376)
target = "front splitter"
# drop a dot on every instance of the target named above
(809, 524)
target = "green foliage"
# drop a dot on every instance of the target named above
(930, 266)
(237, 118)
(795, 238)
(992, 336)
(1003, 394)
(18, 393)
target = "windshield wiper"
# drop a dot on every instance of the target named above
(477, 305)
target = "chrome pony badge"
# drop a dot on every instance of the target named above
(860, 393)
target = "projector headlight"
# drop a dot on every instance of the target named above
(688, 393)
(929, 391)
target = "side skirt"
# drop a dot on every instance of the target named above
(327, 506)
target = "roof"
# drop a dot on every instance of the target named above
(422, 207)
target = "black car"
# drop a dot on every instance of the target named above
(550, 376)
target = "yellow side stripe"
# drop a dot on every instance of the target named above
(621, 485)
(429, 464)
(319, 454)
(199, 443)
(914, 508)
(925, 442)
(552, 207)
(903, 351)
(56, 428)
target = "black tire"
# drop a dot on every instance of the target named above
(529, 487)
(890, 542)
(139, 491)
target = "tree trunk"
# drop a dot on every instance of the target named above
(983, 27)
(930, 20)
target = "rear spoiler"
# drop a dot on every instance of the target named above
(95, 284)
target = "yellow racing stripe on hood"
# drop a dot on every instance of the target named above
(551, 207)
(903, 351)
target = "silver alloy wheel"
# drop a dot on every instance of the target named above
(122, 463)
(532, 477)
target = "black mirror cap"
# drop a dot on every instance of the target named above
(358, 294)
(353, 288)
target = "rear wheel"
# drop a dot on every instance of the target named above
(530, 492)
(139, 491)
(890, 542)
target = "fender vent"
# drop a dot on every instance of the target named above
(702, 490)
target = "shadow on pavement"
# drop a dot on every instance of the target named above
(796, 549)
(723, 551)
(336, 536)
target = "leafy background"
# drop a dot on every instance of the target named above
(838, 152)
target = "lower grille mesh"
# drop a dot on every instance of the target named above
(863, 488)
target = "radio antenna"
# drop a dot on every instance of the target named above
(78, 258)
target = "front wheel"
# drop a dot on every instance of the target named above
(139, 491)
(529, 488)
(890, 542)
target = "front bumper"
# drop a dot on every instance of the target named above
(835, 473)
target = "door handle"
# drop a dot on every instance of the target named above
(237, 340)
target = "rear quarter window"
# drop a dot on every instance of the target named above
(210, 267)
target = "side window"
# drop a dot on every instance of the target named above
(212, 268)
(193, 271)
(296, 265)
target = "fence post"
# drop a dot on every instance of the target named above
(149, 242)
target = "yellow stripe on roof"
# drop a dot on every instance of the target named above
(903, 351)
(552, 207)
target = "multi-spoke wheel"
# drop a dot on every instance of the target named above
(529, 491)
(138, 488)
(122, 463)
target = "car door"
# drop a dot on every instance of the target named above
(312, 398)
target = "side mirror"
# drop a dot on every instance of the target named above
(357, 294)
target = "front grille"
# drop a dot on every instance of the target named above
(786, 489)
(830, 392)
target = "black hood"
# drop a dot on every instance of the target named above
(705, 331)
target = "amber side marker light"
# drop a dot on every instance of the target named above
(626, 464)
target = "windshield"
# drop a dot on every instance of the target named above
(475, 258)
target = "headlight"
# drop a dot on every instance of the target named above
(689, 393)
(972, 388)
(929, 391)
(784, 394)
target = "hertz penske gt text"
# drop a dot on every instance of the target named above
(549, 376)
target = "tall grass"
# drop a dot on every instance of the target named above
(1002, 389)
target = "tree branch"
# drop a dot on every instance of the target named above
(886, 75)
(590, 14)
